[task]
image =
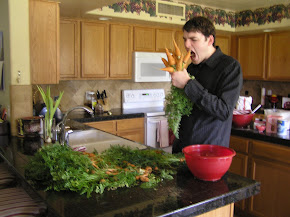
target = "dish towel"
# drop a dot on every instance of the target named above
(163, 133)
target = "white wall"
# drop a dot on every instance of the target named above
(19, 41)
(14, 23)
(4, 27)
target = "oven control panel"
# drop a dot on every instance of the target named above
(148, 95)
(136, 99)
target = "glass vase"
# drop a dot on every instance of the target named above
(48, 129)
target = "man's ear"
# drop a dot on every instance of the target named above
(210, 40)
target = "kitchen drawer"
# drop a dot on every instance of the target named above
(134, 135)
(239, 144)
(130, 124)
(273, 152)
(239, 165)
(107, 126)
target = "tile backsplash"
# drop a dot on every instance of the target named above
(254, 89)
(74, 91)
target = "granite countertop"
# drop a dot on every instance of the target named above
(116, 114)
(250, 133)
(184, 195)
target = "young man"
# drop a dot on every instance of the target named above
(214, 91)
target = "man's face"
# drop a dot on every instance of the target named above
(199, 45)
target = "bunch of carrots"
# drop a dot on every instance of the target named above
(176, 60)
(115, 170)
(177, 103)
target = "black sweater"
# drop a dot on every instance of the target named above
(214, 92)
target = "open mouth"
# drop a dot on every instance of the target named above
(193, 55)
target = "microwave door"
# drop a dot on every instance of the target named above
(152, 70)
(148, 70)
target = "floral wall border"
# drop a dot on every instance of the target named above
(260, 16)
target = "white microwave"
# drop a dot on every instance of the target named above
(147, 65)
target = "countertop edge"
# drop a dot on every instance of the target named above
(217, 202)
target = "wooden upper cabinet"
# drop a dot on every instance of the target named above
(164, 39)
(153, 39)
(69, 49)
(94, 50)
(224, 42)
(144, 39)
(252, 56)
(121, 43)
(279, 56)
(44, 42)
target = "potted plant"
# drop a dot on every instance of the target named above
(51, 108)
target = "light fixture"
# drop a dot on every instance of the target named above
(104, 18)
(268, 30)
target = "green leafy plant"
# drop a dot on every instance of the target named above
(51, 108)
(177, 105)
(59, 168)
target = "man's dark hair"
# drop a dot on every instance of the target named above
(200, 24)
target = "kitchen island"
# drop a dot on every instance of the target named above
(183, 196)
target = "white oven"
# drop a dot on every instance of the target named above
(151, 103)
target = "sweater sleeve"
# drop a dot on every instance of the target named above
(220, 102)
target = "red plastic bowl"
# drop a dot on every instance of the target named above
(242, 120)
(208, 162)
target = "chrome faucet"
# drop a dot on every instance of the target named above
(60, 127)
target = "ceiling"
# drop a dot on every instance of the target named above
(77, 8)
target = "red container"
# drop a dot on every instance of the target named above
(208, 162)
(242, 120)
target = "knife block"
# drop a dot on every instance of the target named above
(106, 105)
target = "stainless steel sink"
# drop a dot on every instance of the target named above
(96, 140)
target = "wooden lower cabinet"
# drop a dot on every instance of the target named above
(269, 164)
(107, 126)
(225, 211)
(273, 200)
(240, 161)
(132, 129)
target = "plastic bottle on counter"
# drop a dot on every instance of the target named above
(263, 95)
(271, 123)
(282, 127)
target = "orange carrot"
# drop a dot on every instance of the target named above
(186, 58)
(170, 58)
(177, 50)
(165, 62)
(168, 69)
(179, 63)
(144, 179)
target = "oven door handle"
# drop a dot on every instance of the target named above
(155, 120)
